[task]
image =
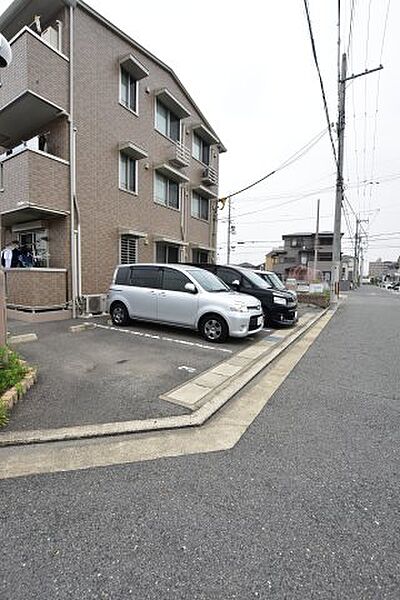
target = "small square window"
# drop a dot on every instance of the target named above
(128, 249)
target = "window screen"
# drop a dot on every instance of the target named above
(128, 249)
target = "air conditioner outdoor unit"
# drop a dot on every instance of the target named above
(94, 304)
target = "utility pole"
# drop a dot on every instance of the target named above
(335, 274)
(316, 242)
(228, 256)
(339, 185)
(355, 266)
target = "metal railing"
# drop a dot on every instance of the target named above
(182, 154)
(210, 176)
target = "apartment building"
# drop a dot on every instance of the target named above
(298, 251)
(106, 157)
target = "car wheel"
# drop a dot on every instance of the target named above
(213, 328)
(119, 314)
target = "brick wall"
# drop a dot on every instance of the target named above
(101, 124)
(38, 68)
(32, 177)
(36, 287)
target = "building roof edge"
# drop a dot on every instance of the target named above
(152, 57)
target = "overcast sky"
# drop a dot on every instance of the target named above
(249, 67)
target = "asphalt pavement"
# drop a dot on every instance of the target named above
(304, 506)
(107, 374)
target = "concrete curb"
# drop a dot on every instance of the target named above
(223, 393)
(14, 394)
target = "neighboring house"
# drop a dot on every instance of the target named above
(107, 158)
(298, 251)
(347, 273)
(380, 269)
(273, 258)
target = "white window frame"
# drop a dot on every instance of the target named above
(135, 240)
(136, 181)
(202, 143)
(201, 199)
(166, 203)
(122, 103)
(169, 112)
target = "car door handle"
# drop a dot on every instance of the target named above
(163, 294)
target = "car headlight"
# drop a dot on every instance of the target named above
(238, 307)
(280, 300)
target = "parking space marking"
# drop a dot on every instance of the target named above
(188, 369)
(162, 338)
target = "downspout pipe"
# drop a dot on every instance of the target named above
(72, 159)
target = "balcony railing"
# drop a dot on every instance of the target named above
(36, 67)
(32, 177)
(181, 156)
(36, 289)
(210, 176)
(34, 88)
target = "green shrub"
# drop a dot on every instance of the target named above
(11, 369)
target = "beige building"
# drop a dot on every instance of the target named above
(106, 157)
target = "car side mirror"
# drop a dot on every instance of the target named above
(191, 288)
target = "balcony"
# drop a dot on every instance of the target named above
(210, 176)
(181, 156)
(31, 181)
(36, 290)
(34, 88)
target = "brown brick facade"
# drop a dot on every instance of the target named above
(46, 288)
(102, 123)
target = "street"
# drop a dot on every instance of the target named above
(304, 506)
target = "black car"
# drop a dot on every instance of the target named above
(279, 306)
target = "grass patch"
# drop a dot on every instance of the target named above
(12, 371)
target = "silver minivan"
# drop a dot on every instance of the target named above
(185, 296)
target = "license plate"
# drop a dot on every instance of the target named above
(259, 321)
(295, 314)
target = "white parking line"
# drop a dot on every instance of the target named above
(160, 337)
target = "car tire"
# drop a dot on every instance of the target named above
(213, 328)
(119, 314)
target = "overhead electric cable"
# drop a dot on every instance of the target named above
(293, 158)
(321, 83)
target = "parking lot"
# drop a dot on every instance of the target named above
(106, 374)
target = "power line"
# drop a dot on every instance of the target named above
(350, 26)
(292, 159)
(321, 83)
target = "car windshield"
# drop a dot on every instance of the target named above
(276, 282)
(266, 279)
(256, 280)
(208, 281)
